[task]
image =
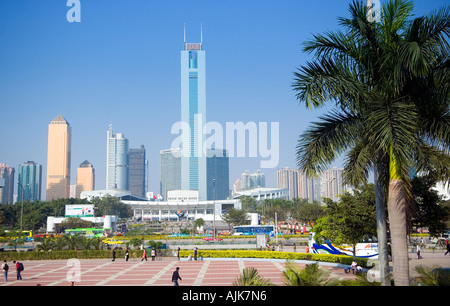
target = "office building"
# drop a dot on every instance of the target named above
(261, 193)
(193, 113)
(299, 184)
(288, 178)
(117, 165)
(252, 180)
(332, 184)
(218, 178)
(6, 184)
(85, 178)
(170, 166)
(138, 172)
(209, 211)
(58, 159)
(30, 179)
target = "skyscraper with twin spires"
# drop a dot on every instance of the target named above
(193, 112)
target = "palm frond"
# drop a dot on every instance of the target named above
(324, 140)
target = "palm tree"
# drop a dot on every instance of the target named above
(251, 277)
(310, 275)
(45, 244)
(434, 276)
(373, 72)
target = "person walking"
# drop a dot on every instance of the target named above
(5, 269)
(114, 254)
(448, 248)
(19, 269)
(127, 254)
(153, 254)
(144, 255)
(178, 253)
(195, 253)
(176, 276)
(418, 252)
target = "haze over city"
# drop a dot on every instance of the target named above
(120, 65)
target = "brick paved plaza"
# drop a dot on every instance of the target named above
(210, 272)
(104, 272)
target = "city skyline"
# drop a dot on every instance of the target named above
(120, 66)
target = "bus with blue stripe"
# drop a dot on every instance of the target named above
(365, 249)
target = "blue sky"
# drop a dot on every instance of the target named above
(121, 65)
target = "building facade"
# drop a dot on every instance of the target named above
(138, 172)
(193, 114)
(209, 211)
(218, 177)
(299, 184)
(85, 178)
(58, 159)
(332, 183)
(261, 194)
(117, 165)
(6, 184)
(252, 180)
(30, 179)
(170, 166)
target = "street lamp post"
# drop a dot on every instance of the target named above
(21, 209)
(214, 207)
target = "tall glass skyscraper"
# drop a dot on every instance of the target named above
(117, 161)
(30, 178)
(170, 171)
(193, 112)
(218, 175)
(138, 172)
(6, 184)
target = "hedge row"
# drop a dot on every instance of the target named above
(342, 259)
(90, 254)
(80, 254)
(163, 237)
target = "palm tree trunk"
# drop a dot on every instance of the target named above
(397, 222)
(383, 253)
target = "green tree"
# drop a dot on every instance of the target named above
(110, 205)
(309, 212)
(45, 243)
(389, 80)
(434, 276)
(234, 217)
(74, 222)
(311, 275)
(429, 209)
(349, 220)
(199, 222)
(248, 203)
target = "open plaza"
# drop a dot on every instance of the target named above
(207, 272)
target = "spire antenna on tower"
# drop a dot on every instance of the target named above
(201, 33)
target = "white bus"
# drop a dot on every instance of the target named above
(365, 249)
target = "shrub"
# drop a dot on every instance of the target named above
(343, 259)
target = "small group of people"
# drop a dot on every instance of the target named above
(19, 269)
(190, 257)
(354, 267)
(153, 254)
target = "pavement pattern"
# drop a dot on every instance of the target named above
(134, 272)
